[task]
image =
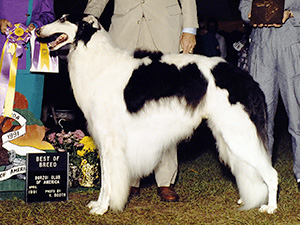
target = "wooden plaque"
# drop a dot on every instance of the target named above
(267, 12)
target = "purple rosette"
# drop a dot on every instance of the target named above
(20, 35)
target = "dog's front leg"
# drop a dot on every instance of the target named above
(101, 205)
(115, 175)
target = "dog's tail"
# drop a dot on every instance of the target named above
(252, 188)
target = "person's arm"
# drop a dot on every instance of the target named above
(190, 25)
(43, 15)
(245, 9)
(188, 40)
(294, 13)
(95, 7)
(222, 44)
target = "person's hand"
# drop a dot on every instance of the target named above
(4, 24)
(31, 27)
(187, 42)
(286, 15)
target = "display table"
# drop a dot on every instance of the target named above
(20, 134)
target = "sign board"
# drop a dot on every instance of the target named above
(47, 177)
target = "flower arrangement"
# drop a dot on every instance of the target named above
(83, 157)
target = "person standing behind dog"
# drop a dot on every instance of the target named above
(213, 26)
(274, 62)
(32, 13)
(167, 26)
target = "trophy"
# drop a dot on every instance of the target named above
(267, 12)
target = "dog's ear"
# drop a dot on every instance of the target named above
(86, 28)
(93, 21)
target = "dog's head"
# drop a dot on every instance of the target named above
(69, 29)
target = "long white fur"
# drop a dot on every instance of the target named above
(131, 144)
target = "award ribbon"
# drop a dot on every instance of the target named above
(44, 52)
(17, 36)
(36, 50)
(41, 60)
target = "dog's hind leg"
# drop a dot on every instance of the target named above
(241, 148)
(256, 178)
(242, 173)
(271, 179)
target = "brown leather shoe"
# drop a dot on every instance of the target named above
(168, 194)
(134, 191)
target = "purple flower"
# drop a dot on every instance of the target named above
(76, 144)
(51, 137)
(78, 134)
(60, 140)
(67, 135)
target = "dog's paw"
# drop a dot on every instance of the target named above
(240, 201)
(97, 208)
(92, 204)
(268, 209)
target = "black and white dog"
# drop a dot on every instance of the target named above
(139, 103)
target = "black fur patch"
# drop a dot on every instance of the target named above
(73, 18)
(242, 88)
(160, 80)
(139, 54)
(85, 32)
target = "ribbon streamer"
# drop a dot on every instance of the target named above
(10, 93)
(17, 36)
(44, 52)
(36, 50)
(4, 75)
